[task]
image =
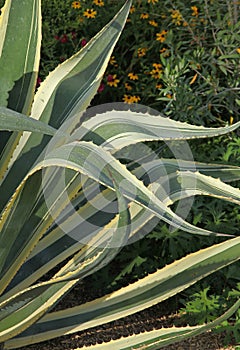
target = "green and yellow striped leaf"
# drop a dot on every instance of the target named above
(19, 54)
(19, 63)
(67, 90)
(144, 293)
(158, 338)
(14, 121)
(22, 309)
(116, 129)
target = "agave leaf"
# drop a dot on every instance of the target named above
(67, 90)
(24, 308)
(11, 120)
(116, 129)
(94, 162)
(144, 293)
(19, 57)
(49, 251)
(57, 246)
(196, 183)
(14, 121)
(19, 61)
(156, 339)
(159, 168)
(89, 160)
(27, 307)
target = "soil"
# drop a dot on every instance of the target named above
(155, 317)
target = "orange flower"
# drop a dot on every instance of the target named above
(112, 61)
(132, 9)
(144, 16)
(133, 76)
(161, 36)
(152, 1)
(76, 5)
(98, 2)
(131, 99)
(112, 80)
(165, 52)
(141, 51)
(176, 17)
(157, 66)
(127, 86)
(89, 13)
(195, 11)
(158, 86)
(156, 74)
(153, 23)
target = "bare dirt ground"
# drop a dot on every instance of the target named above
(161, 315)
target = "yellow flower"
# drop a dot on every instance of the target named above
(76, 5)
(131, 99)
(89, 13)
(165, 52)
(144, 16)
(152, 1)
(153, 23)
(141, 51)
(112, 80)
(156, 74)
(133, 76)
(161, 36)
(132, 9)
(158, 86)
(195, 11)
(98, 2)
(238, 50)
(169, 95)
(176, 17)
(112, 60)
(157, 66)
(127, 86)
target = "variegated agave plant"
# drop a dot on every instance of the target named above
(46, 142)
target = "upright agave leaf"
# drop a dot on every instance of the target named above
(67, 90)
(19, 64)
(20, 33)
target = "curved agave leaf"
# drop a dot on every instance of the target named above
(57, 246)
(67, 90)
(49, 251)
(156, 339)
(27, 307)
(24, 308)
(90, 160)
(157, 168)
(116, 129)
(144, 293)
(196, 183)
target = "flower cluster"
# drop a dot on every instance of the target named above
(164, 54)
